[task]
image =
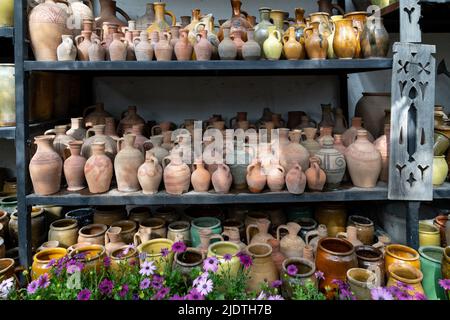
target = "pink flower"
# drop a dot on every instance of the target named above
(319, 275)
(179, 247)
(106, 286)
(292, 270)
(32, 287)
(245, 260)
(205, 287)
(43, 281)
(445, 284)
(211, 264)
(84, 294)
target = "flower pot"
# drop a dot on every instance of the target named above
(219, 249)
(90, 255)
(152, 250)
(208, 223)
(406, 274)
(188, 260)
(305, 273)
(263, 268)
(93, 234)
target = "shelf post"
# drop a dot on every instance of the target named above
(412, 224)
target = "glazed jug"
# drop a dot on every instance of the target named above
(332, 163)
(291, 244)
(346, 39)
(228, 50)
(374, 38)
(315, 176)
(272, 46)
(66, 51)
(142, 47)
(262, 225)
(316, 44)
(150, 174)
(359, 20)
(263, 268)
(163, 48)
(296, 180)
(262, 28)
(330, 38)
(251, 50)
(98, 169)
(126, 164)
(177, 175)
(431, 265)
(293, 49)
(406, 274)
(74, 167)
(183, 48)
(160, 24)
(256, 179)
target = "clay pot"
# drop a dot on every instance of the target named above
(97, 116)
(428, 235)
(183, 48)
(400, 254)
(277, 256)
(61, 140)
(316, 45)
(198, 225)
(275, 177)
(325, 132)
(42, 259)
(179, 231)
(315, 176)
(221, 179)
(431, 265)
(139, 142)
(371, 108)
(293, 49)
(363, 161)
(177, 175)
(272, 46)
(312, 237)
(131, 56)
(256, 179)
(158, 151)
(47, 23)
(74, 168)
(108, 11)
(188, 260)
(227, 48)
(351, 236)
(147, 19)
(262, 28)
(98, 169)
(139, 214)
(407, 275)
(237, 40)
(334, 216)
(38, 227)
(310, 143)
(93, 234)
(84, 216)
(143, 48)
(372, 259)
(125, 255)
(149, 174)
(126, 165)
(200, 178)
(45, 167)
(361, 282)
(129, 118)
(66, 51)
(99, 137)
(304, 275)
(383, 145)
(77, 130)
(263, 268)
(118, 48)
(7, 13)
(251, 50)
(440, 170)
(364, 227)
(291, 244)
(290, 153)
(296, 180)
(332, 162)
(91, 256)
(128, 229)
(113, 240)
(346, 39)
(203, 48)
(334, 258)
(235, 222)
(163, 49)
(440, 221)
(107, 215)
(374, 38)
(262, 225)
(96, 51)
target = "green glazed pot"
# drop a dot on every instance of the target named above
(441, 144)
(204, 223)
(430, 265)
(446, 266)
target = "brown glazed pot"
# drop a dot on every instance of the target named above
(346, 39)
(107, 215)
(315, 176)
(263, 268)
(45, 167)
(372, 259)
(374, 38)
(93, 234)
(177, 175)
(334, 216)
(334, 257)
(150, 174)
(315, 43)
(364, 228)
(293, 49)
(74, 167)
(200, 178)
(296, 180)
(400, 254)
(126, 165)
(98, 169)
(441, 222)
(183, 48)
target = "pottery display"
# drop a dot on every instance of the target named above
(374, 38)
(429, 235)
(371, 109)
(431, 265)
(42, 259)
(315, 176)
(316, 45)
(93, 234)
(400, 254)
(291, 245)
(98, 169)
(74, 168)
(272, 46)
(126, 165)
(332, 163)
(263, 268)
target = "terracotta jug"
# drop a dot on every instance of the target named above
(289, 153)
(332, 163)
(291, 244)
(275, 177)
(99, 136)
(150, 174)
(346, 39)
(351, 236)
(47, 23)
(200, 178)
(45, 167)
(227, 47)
(206, 235)
(74, 168)
(98, 169)
(262, 28)
(251, 50)
(163, 49)
(374, 38)
(256, 178)
(383, 145)
(296, 180)
(118, 48)
(293, 49)
(61, 140)
(93, 234)
(96, 51)
(131, 56)
(160, 24)
(183, 48)
(232, 234)
(277, 256)
(316, 44)
(272, 46)
(138, 131)
(238, 21)
(143, 48)
(262, 225)
(77, 130)
(263, 268)
(221, 178)
(349, 136)
(66, 51)
(203, 48)
(129, 118)
(237, 39)
(158, 151)
(177, 175)
(315, 176)
(310, 143)
(363, 161)
(126, 164)
(113, 240)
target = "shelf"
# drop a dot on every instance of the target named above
(37, 128)
(264, 67)
(6, 32)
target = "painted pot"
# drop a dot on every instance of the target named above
(400, 254)
(41, 260)
(431, 265)
(198, 224)
(221, 248)
(65, 231)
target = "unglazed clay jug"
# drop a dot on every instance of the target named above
(96, 51)
(203, 48)
(138, 131)
(251, 50)
(310, 143)
(289, 153)
(262, 28)
(272, 46)
(150, 174)
(312, 237)
(363, 161)
(256, 178)
(351, 236)
(349, 136)
(177, 175)
(315, 43)
(126, 164)
(66, 51)
(47, 23)
(160, 24)
(227, 47)
(74, 167)
(99, 136)
(332, 162)
(108, 11)
(45, 167)
(200, 178)
(262, 225)
(296, 180)
(77, 130)
(118, 48)
(315, 176)
(143, 48)
(98, 169)
(346, 39)
(291, 244)
(113, 240)
(61, 139)
(383, 145)
(163, 48)
(275, 176)
(97, 116)
(158, 151)
(263, 268)
(183, 48)
(374, 38)
(293, 49)
(221, 178)
(340, 124)
(238, 21)
(129, 118)
(277, 256)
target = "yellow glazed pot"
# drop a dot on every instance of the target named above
(90, 255)
(125, 255)
(440, 170)
(429, 235)
(153, 248)
(272, 46)
(219, 249)
(406, 274)
(6, 13)
(42, 258)
(397, 253)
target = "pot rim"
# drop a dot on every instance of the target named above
(414, 270)
(371, 249)
(9, 200)
(186, 225)
(441, 220)
(125, 225)
(388, 250)
(304, 261)
(376, 94)
(429, 226)
(48, 251)
(368, 224)
(11, 264)
(346, 253)
(317, 13)
(67, 227)
(193, 264)
(152, 241)
(368, 283)
(212, 219)
(89, 248)
(91, 226)
(3, 214)
(423, 253)
(223, 243)
(132, 252)
(161, 222)
(353, 13)
(261, 255)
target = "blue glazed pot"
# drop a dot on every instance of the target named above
(198, 224)
(83, 216)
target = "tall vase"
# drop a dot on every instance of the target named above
(126, 165)
(74, 168)
(262, 28)
(98, 169)
(108, 11)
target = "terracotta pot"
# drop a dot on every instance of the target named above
(99, 137)
(221, 179)
(237, 39)
(83, 43)
(235, 222)
(96, 51)
(263, 268)
(316, 45)
(232, 234)
(262, 225)
(179, 231)
(228, 49)
(305, 274)
(364, 227)
(431, 265)
(139, 214)
(315, 176)
(334, 216)
(383, 145)
(139, 141)
(42, 259)
(275, 177)
(177, 175)
(251, 50)
(113, 240)
(128, 229)
(98, 169)
(290, 153)
(293, 49)
(291, 244)
(428, 235)
(400, 254)
(374, 39)
(334, 258)
(163, 49)
(371, 108)
(93, 234)
(372, 259)
(332, 162)
(38, 227)
(74, 168)
(126, 165)
(118, 48)
(346, 39)
(200, 178)
(407, 275)
(45, 167)
(203, 48)
(107, 215)
(349, 136)
(237, 22)
(143, 48)
(108, 11)
(272, 46)
(65, 231)
(441, 222)
(129, 118)
(67, 50)
(152, 250)
(256, 179)
(296, 180)
(61, 141)
(83, 216)
(183, 48)
(97, 116)
(91, 256)
(150, 174)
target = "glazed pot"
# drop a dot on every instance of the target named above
(371, 108)
(221, 248)
(334, 258)
(149, 174)
(346, 39)
(98, 169)
(107, 215)
(305, 274)
(126, 165)
(316, 44)
(406, 274)
(364, 227)
(38, 227)
(207, 223)
(262, 28)
(400, 254)
(291, 244)
(65, 231)
(74, 168)
(440, 170)
(332, 163)
(293, 49)
(177, 175)
(179, 231)
(152, 250)
(263, 268)
(93, 234)
(128, 229)
(361, 282)
(440, 222)
(429, 235)
(374, 38)
(42, 259)
(334, 216)
(188, 260)
(83, 216)
(7, 13)
(431, 265)
(159, 23)
(372, 259)
(315, 176)
(272, 46)
(125, 255)
(262, 226)
(91, 256)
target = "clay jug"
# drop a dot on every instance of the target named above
(256, 178)
(150, 174)
(77, 130)
(327, 116)
(316, 44)
(206, 235)
(163, 49)
(174, 37)
(83, 42)
(262, 225)
(143, 48)
(118, 48)
(108, 11)
(263, 268)
(291, 244)
(346, 39)
(289, 153)
(238, 21)
(359, 20)
(308, 253)
(315, 176)
(177, 175)
(61, 140)
(96, 51)
(293, 50)
(313, 237)
(349, 136)
(383, 145)
(237, 40)
(296, 180)
(262, 28)
(66, 51)
(147, 19)
(113, 240)
(310, 143)
(232, 234)
(227, 47)
(99, 136)
(74, 167)
(200, 178)
(139, 142)
(351, 236)
(340, 124)
(131, 56)
(221, 179)
(45, 167)
(332, 163)
(363, 161)
(272, 46)
(129, 118)
(158, 151)
(98, 169)
(203, 48)
(251, 50)
(339, 144)
(47, 23)
(373, 109)
(374, 38)
(275, 177)
(160, 24)
(126, 164)
(277, 256)
(183, 48)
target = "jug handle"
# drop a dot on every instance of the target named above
(247, 231)
(215, 236)
(305, 31)
(88, 132)
(310, 234)
(136, 41)
(277, 34)
(164, 161)
(50, 131)
(317, 171)
(77, 39)
(106, 238)
(172, 16)
(283, 226)
(377, 271)
(137, 240)
(119, 144)
(123, 13)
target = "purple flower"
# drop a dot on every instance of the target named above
(194, 295)
(73, 268)
(51, 263)
(147, 268)
(245, 260)
(156, 284)
(445, 284)
(381, 294)
(179, 247)
(135, 297)
(394, 290)
(227, 257)
(32, 287)
(201, 278)
(404, 286)
(275, 297)
(123, 292)
(419, 296)
(276, 283)
(145, 283)
(84, 295)
(161, 293)
(401, 295)
(205, 287)
(107, 262)
(164, 252)
(346, 294)
(43, 281)
(319, 275)
(211, 264)
(106, 287)
(176, 297)
(292, 270)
